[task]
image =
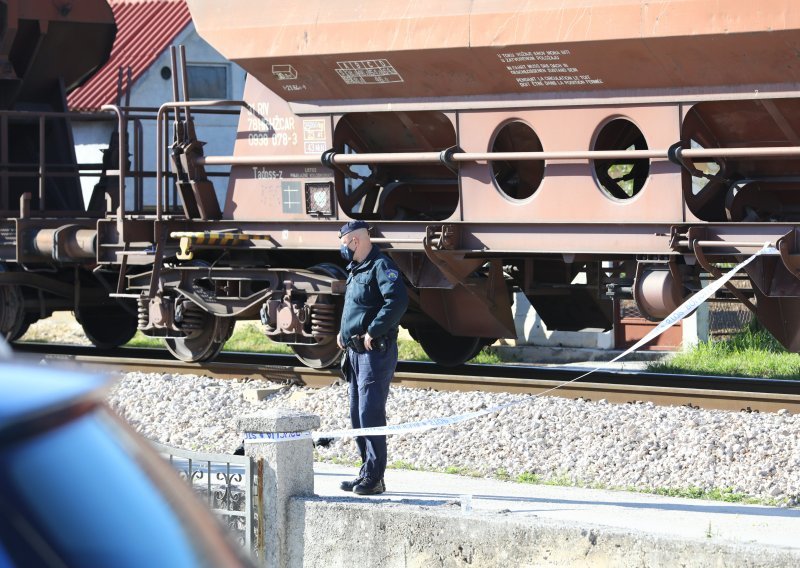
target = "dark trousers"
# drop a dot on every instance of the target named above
(370, 374)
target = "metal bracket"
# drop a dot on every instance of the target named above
(713, 270)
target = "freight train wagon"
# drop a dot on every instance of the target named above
(578, 151)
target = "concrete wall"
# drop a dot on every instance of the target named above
(344, 533)
(536, 343)
(152, 90)
(298, 529)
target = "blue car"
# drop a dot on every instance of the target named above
(79, 488)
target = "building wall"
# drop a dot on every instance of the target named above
(152, 90)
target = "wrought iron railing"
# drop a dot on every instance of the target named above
(226, 483)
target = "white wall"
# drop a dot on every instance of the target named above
(152, 90)
(531, 330)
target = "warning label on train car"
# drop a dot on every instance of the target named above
(545, 68)
(284, 72)
(368, 72)
(314, 135)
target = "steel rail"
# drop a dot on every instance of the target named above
(723, 393)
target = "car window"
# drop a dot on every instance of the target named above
(88, 499)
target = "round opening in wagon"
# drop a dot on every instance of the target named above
(396, 190)
(518, 179)
(621, 178)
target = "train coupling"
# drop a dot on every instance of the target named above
(68, 243)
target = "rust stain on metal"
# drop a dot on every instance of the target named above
(259, 536)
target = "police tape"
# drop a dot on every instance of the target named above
(680, 313)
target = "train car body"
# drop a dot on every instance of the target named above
(578, 151)
(47, 236)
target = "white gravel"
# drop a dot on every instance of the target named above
(634, 446)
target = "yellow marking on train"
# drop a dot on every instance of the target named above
(212, 238)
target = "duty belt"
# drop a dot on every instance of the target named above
(356, 343)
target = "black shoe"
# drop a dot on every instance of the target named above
(349, 485)
(369, 487)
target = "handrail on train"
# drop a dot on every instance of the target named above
(160, 134)
(41, 167)
(437, 157)
(447, 157)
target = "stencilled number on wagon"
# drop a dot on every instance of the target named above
(265, 130)
(263, 173)
(257, 117)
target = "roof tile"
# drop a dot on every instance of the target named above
(144, 30)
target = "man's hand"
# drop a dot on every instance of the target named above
(339, 342)
(368, 341)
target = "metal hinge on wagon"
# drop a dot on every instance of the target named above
(189, 239)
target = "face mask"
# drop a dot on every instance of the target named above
(346, 253)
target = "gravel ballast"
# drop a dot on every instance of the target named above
(631, 446)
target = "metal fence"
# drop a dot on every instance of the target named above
(226, 483)
(727, 318)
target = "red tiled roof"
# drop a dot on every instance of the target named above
(145, 28)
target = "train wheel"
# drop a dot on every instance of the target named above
(107, 326)
(318, 356)
(203, 343)
(445, 349)
(27, 321)
(321, 355)
(12, 313)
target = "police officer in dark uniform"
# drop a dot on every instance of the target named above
(374, 302)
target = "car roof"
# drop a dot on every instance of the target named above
(29, 391)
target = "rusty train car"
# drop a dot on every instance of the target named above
(577, 151)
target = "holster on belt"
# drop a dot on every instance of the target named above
(344, 367)
(356, 343)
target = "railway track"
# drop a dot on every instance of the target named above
(727, 393)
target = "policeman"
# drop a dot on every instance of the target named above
(375, 300)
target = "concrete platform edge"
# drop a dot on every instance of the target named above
(343, 532)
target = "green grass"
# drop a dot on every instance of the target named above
(528, 477)
(726, 494)
(401, 464)
(248, 338)
(751, 353)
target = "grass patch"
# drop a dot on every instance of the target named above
(459, 470)
(502, 474)
(561, 480)
(726, 494)
(400, 464)
(410, 351)
(751, 353)
(340, 461)
(528, 477)
(487, 356)
(142, 340)
(249, 338)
